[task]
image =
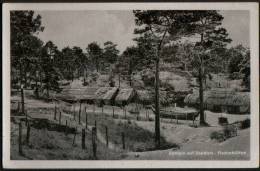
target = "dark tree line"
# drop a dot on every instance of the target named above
(44, 64)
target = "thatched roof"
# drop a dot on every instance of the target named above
(144, 96)
(223, 97)
(86, 93)
(125, 95)
(106, 93)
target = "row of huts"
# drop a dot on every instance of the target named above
(103, 95)
(217, 100)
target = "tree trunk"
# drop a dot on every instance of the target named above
(201, 72)
(21, 74)
(157, 103)
(202, 120)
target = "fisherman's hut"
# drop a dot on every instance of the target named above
(220, 100)
(125, 96)
(106, 95)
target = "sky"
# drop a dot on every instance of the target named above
(79, 28)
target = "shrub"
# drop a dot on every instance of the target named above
(217, 135)
(222, 120)
(245, 124)
(227, 132)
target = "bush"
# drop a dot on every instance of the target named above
(219, 136)
(228, 132)
(222, 120)
(245, 124)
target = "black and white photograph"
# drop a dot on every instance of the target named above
(148, 84)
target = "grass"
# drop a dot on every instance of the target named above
(49, 142)
(136, 138)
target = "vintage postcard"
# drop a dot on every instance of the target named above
(130, 85)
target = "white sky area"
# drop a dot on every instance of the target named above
(79, 28)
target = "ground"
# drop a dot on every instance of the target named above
(179, 139)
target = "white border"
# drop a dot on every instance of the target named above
(254, 46)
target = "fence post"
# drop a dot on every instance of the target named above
(28, 133)
(22, 96)
(113, 112)
(102, 110)
(55, 111)
(86, 120)
(74, 111)
(193, 119)
(95, 123)
(123, 140)
(177, 118)
(26, 117)
(20, 138)
(83, 139)
(66, 128)
(94, 144)
(79, 111)
(75, 133)
(125, 112)
(60, 118)
(106, 136)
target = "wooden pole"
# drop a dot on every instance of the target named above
(177, 118)
(125, 112)
(20, 139)
(94, 145)
(79, 111)
(86, 120)
(66, 128)
(55, 111)
(83, 139)
(75, 133)
(193, 119)
(28, 133)
(74, 111)
(123, 140)
(113, 112)
(22, 99)
(26, 117)
(106, 136)
(60, 118)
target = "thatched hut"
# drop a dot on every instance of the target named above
(144, 97)
(221, 100)
(125, 96)
(86, 94)
(106, 95)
